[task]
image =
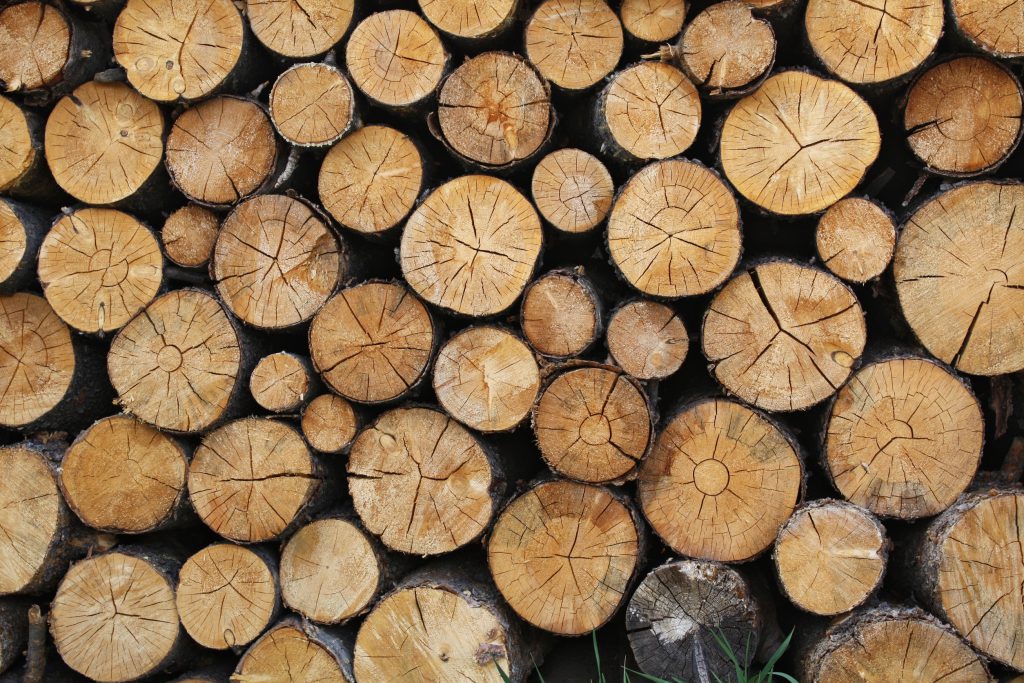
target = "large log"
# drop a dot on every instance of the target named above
(312, 105)
(573, 43)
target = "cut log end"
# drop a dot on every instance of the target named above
(468, 260)
(298, 31)
(647, 339)
(963, 116)
(772, 150)
(123, 476)
(251, 479)
(281, 382)
(35, 45)
(373, 342)
(312, 105)
(178, 363)
(855, 239)
(189, 234)
(17, 152)
(32, 516)
(719, 465)
(14, 244)
(593, 424)
(572, 190)
(782, 336)
(329, 423)
(988, 26)
(83, 129)
(564, 556)
(675, 230)
(560, 314)
(294, 652)
(469, 19)
(421, 482)
(830, 557)
(574, 43)
(227, 595)
(726, 50)
(653, 21)
(495, 110)
(486, 378)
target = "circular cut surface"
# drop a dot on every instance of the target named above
(725, 48)
(250, 479)
(572, 190)
(592, 424)
(495, 109)
(311, 104)
(574, 43)
(123, 476)
(98, 268)
(35, 41)
(560, 315)
(486, 378)
(287, 655)
(329, 571)
(652, 110)
(963, 116)
(104, 142)
(372, 342)
(467, 18)
(783, 336)
(36, 358)
(371, 178)
(329, 423)
(299, 29)
(655, 21)
(873, 41)
(279, 382)
(720, 482)
(959, 271)
(30, 512)
(904, 438)
(395, 58)
(563, 555)
(776, 142)
(647, 339)
(997, 27)
(16, 143)
(176, 365)
(129, 602)
(221, 150)
(420, 481)
(437, 632)
(276, 262)
(675, 230)
(856, 239)
(13, 241)
(189, 234)
(472, 245)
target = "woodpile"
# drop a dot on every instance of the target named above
(412, 341)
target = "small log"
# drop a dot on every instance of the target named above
(561, 314)
(223, 150)
(189, 234)
(253, 479)
(969, 570)
(870, 45)
(227, 595)
(99, 268)
(494, 111)
(647, 339)
(680, 608)
(373, 342)
(370, 180)
(962, 117)
(128, 595)
(652, 21)
(14, 631)
(312, 30)
(22, 228)
(486, 378)
(281, 382)
(422, 482)
(593, 424)
(295, 651)
(574, 43)
(904, 438)
(774, 151)
(830, 556)
(783, 336)
(572, 190)
(891, 643)
(329, 423)
(565, 555)
(177, 50)
(675, 230)
(125, 477)
(23, 169)
(446, 234)
(985, 26)
(276, 262)
(957, 268)
(312, 105)
(104, 143)
(396, 59)
(472, 22)
(179, 364)
(856, 239)
(718, 467)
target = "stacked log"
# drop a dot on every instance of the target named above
(354, 342)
